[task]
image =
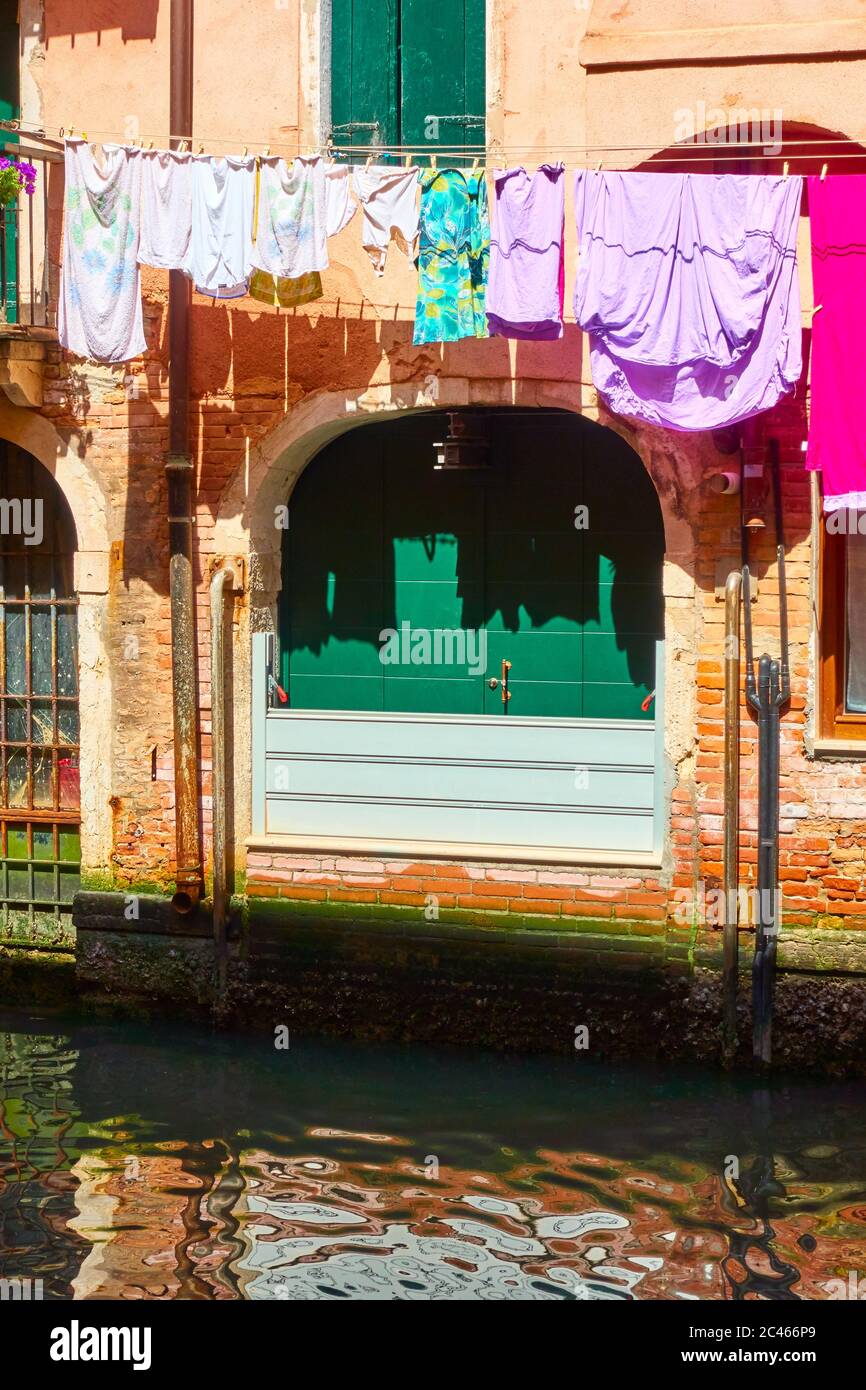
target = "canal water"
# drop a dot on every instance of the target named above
(157, 1162)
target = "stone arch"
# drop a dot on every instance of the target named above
(246, 526)
(245, 523)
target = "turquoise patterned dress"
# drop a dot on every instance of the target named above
(454, 250)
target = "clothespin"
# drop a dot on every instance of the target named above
(474, 169)
(785, 170)
(369, 161)
(433, 162)
(823, 172)
(183, 147)
(407, 161)
(266, 152)
(150, 144)
(598, 167)
(201, 147)
(246, 152)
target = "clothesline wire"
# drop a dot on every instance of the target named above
(491, 155)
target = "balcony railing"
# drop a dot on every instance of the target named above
(30, 243)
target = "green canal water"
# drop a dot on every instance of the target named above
(157, 1162)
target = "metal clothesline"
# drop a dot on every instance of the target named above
(489, 156)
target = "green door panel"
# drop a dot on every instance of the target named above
(611, 701)
(438, 605)
(336, 692)
(354, 654)
(460, 571)
(540, 699)
(445, 695)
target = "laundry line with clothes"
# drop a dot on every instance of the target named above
(687, 284)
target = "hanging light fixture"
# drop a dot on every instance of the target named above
(466, 445)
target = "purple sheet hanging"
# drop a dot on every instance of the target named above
(526, 281)
(687, 285)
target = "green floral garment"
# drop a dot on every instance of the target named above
(454, 250)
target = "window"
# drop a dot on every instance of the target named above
(843, 630)
(405, 72)
(40, 843)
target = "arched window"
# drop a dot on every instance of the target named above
(39, 717)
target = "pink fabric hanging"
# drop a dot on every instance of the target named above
(837, 441)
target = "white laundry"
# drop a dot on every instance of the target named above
(291, 229)
(221, 245)
(389, 198)
(166, 209)
(340, 206)
(100, 313)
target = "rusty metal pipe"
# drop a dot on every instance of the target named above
(731, 869)
(179, 478)
(218, 742)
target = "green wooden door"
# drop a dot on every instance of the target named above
(404, 72)
(405, 588)
(9, 110)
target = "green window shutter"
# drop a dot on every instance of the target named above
(9, 110)
(364, 55)
(442, 73)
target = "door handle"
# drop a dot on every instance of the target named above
(506, 693)
(493, 682)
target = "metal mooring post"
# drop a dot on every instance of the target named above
(221, 578)
(730, 966)
(767, 696)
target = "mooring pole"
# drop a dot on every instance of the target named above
(730, 940)
(218, 741)
(768, 699)
(763, 926)
(179, 478)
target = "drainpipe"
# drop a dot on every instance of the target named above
(730, 940)
(179, 478)
(218, 740)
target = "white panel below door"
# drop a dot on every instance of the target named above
(570, 785)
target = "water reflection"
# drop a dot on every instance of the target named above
(154, 1164)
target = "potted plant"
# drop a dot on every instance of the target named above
(15, 174)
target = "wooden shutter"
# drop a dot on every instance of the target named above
(364, 72)
(442, 73)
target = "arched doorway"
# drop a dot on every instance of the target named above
(39, 716)
(469, 640)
